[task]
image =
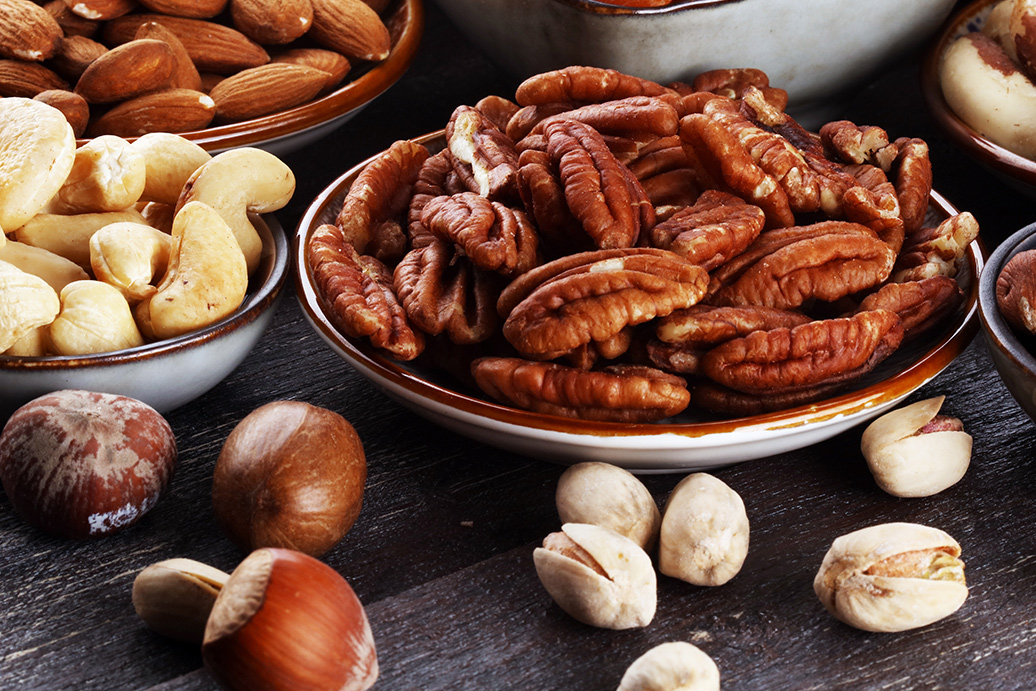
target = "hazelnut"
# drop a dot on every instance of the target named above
(892, 577)
(289, 475)
(83, 464)
(611, 497)
(704, 535)
(597, 576)
(285, 620)
(673, 666)
(914, 451)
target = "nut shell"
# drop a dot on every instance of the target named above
(611, 497)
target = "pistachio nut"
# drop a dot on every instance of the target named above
(704, 535)
(611, 497)
(914, 451)
(892, 577)
(597, 576)
(673, 666)
(174, 597)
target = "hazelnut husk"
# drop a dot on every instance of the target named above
(289, 475)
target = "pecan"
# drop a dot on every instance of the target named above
(1016, 291)
(720, 400)
(727, 165)
(357, 292)
(819, 352)
(373, 210)
(919, 304)
(849, 143)
(527, 117)
(706, 325)
(827, 266)
(498, 110)
(444, 293)
(495, 237)
(623, 394)
(936, 251)
(913, 181)
(431, 182)
(596, 300)
(480, 147)
(544, 199)
(716, 228)
(581, 84)
(677, 358)
(732, 83)
(875, 204)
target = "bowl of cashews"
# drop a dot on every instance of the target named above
(125, 264)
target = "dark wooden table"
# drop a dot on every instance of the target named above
(442, 552)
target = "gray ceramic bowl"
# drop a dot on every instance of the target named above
(813, 49)
(1012, 355)
(169, 373)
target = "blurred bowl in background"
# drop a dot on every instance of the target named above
(813, 50)
(1012, 353)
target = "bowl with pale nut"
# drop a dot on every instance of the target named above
(814, 54)
(1006, 292)
(278, 75)
(490, 293)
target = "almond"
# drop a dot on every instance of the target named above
(185, 74)
(266, 89)
(196, 9)
(272, 22)
(213, 47)
(335, 64)
(127, 71)
(26, 79)
(175, 110)
(72, 105)
(71, 24)
(351, 28)
(27, 31)
(75, 55)
(101, 9)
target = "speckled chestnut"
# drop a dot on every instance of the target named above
(290, 475)
(81, 464)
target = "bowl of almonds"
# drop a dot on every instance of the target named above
(146, 268)
(601, 268)
(222, 74)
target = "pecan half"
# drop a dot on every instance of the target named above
(913, 181)
(544, 199)
(720, 400)
(919, 304)
(936, 251)
(706, 325)
(480, 147)
(733, 83)
(718, 227)
(594, 301)
(498, 110)
(374, 208)
(622, 394)
(357, 292)
(582, 84)
(443, 292)
(493, 236)
(819, 352)
(847, 142)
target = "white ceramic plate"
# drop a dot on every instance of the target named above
(686, 442)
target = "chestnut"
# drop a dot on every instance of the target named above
(290, 475)
(83, 464)
(284, 620)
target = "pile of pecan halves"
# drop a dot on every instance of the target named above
(607, 248)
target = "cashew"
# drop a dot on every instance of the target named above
(158, 215)
(170, 161)
(237, 182)
(69, 236)
(94, 318)
(33, 344)
(37, 148)
(26, 303)
(129, 256)
(206, 278)
(52, 268)
(108, 175)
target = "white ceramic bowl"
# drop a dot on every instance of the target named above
(169, 373)
(811, 48)
(682, 443)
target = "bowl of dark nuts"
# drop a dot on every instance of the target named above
(1007, 307)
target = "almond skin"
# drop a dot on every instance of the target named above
(266, 89)
(351, 28)
(127, 71)
(27, 31)
(335, 64)
(272, 22)
(174, 110)
(185, 74)
(26, 79)
(74, 107)
(75, 55)
(196, 9)
(213, 47)
(99, 10)
(71, 24)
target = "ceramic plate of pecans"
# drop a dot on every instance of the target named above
(722, 328)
